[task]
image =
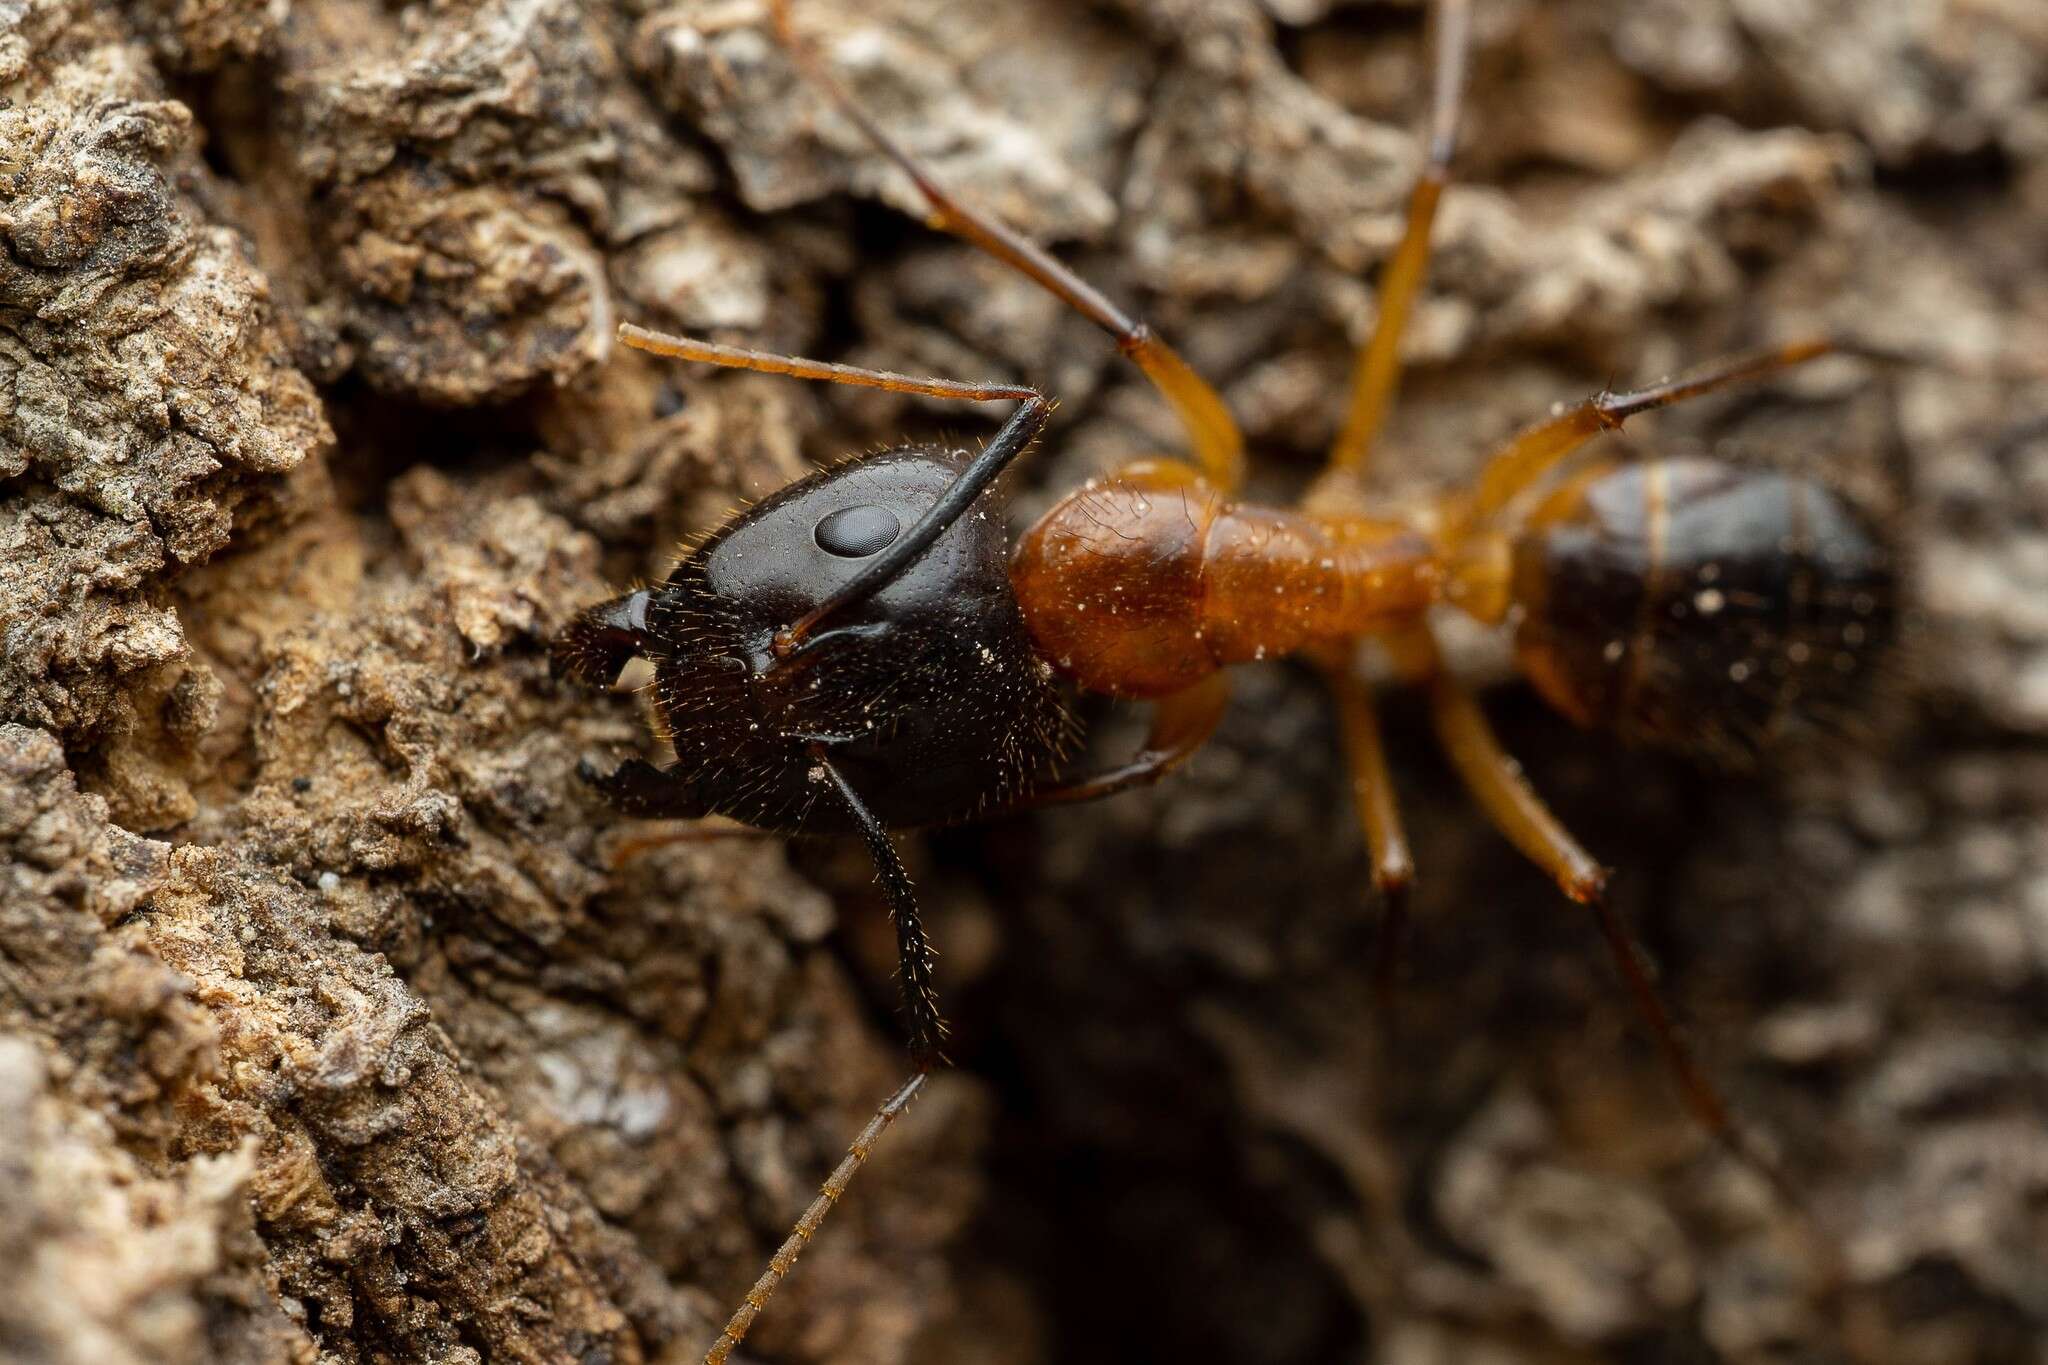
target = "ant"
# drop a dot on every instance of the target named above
(857, 654)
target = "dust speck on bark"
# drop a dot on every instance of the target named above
(328, 1031)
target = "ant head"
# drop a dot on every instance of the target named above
(927, 693)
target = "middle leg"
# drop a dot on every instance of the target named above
(1372, 796)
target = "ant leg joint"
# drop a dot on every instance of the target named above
(1393, 874)
(1588, 885)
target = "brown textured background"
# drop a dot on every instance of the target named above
(325, 1034)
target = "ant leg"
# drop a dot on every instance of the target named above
(1181, 724)
(1529, 456)
(926, 1029)
(636, 787)
(1377, 375)
(1372, 793)
(1218, 446)
(807, 1226)
(1496, 782)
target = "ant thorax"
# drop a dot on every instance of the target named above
(1141, 584)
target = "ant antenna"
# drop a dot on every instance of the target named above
(1014, 437)
(826, 371)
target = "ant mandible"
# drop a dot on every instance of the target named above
(854, 655)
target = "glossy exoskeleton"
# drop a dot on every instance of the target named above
(864, 651)
(928, 693)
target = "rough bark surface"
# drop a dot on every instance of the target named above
(327, 1029)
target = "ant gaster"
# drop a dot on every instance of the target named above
(855, 655)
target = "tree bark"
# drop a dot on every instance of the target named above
(328, 1031)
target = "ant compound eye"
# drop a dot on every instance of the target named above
(857, 532)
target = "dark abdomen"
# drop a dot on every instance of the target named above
(1701, 605)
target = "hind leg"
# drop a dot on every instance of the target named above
(1517, 466)
(1495, 781)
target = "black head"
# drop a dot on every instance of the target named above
(927, 694)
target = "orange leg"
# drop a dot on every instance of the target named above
(1218, 447)
(1534, 453)
(1496, 782)
(1372, 794)
(807, 1225)
(1378, 372)
(1181, 724)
